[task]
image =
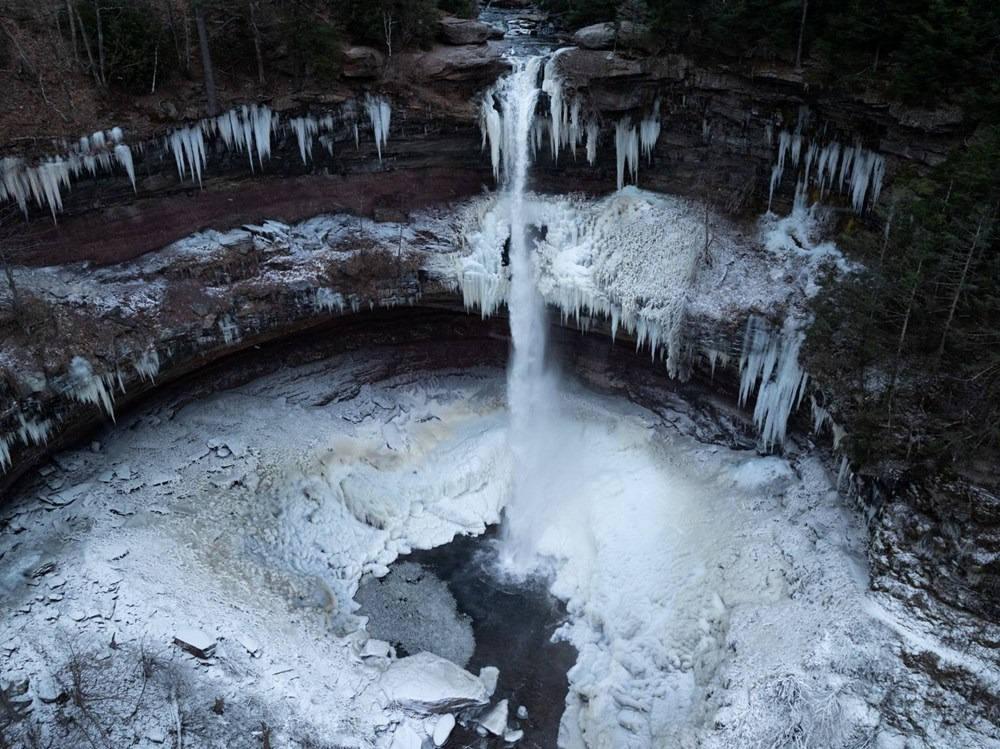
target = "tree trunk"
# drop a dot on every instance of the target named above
(960, 288)
(802, 33)
(206, 59)
(100, 43)
(86, 46)
(902, 337)
(256, 41)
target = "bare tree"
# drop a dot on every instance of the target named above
(206, 57)
(253, 7)
(802, 33)
(982, 228)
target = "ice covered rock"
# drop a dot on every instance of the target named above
(195, 641)
(374, 648)
(489, 675)
(443, 728)
(406, 737)
(464, 31)
(522, 712)
(495, 721)
(512, 737)
(427, 683)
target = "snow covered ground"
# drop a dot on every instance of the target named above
(716, 598)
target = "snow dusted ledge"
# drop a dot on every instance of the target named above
(635, 264)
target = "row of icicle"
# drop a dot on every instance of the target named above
(567, 129)
(247, 129)
(829, 167)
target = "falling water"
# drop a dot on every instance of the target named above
(530, 391)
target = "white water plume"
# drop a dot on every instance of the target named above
(530, 389)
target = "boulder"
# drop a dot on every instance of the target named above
(195, 641)
(464, 31)
(427, 683)
(362, 62)
(482, 63)
(596, 36)
(609, 35)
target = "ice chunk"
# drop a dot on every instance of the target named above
(495, 721)
(427, 683)
(443, 728)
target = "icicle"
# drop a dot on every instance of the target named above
(230, 330)
(5, 462)
(553, 86)
(305, 128)
(123, 155)
(626, 149)
(33, 432)
(593, 132)
(91, 388)
(649, 131)
(380, 115)
(771, 359)
(328, 300)
(491, 125)
(148, 365)
(575, 134)
(188, 147)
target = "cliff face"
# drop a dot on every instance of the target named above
(139, 316)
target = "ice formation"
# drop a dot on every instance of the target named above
(628, 258)
(230, 330)
(147, 366)
(89, 387)
(626, 149)
(248, 129)
(188, 146)
(769, 363)
(305, 128)
(4, 452)
(856, 169)
(329, 300)
(45, 181)
(593, 133)
(649, 131)
(380, 115)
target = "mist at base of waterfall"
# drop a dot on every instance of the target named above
(713, 597)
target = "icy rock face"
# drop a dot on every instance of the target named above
(426, 683)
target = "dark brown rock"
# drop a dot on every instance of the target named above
(460, 31)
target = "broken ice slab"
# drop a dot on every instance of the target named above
(443, 728)
(489, 675)
(495, 721)
(195, 641)
(427, 683)
(376, 649)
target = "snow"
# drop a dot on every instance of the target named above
(427, 683)
(740, 612)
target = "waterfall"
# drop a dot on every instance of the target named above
(530, 390)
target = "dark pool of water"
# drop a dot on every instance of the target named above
(513, 626)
